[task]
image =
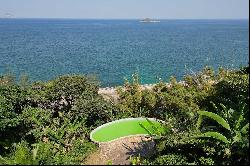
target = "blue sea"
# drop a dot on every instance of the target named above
(115, 49)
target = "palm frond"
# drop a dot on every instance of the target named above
(152, 124)
(215, 117)
(215, 135)
(199, 121)
(150, 133)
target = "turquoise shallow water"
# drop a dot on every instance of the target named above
(114, 49)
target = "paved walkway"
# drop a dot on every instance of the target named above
(119, 151)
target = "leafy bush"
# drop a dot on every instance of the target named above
(236, 139)
(57, 140)
(171, 159)
(206, 161)
(231, 89)
(43, 116)
(12, 102)
(61, 93)
(130, 97)
(54, 118)
(47, 154)
(179, 105)
(176, 99)
(22, 155)
(94, 109)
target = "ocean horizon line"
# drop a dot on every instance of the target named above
(54, 18)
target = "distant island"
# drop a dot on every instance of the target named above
(148, 20)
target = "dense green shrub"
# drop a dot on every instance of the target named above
(179, 104)
(60, 141)
(48, 153)
(12, 102)
(206, 161)
(49, 122)
(61, 93)
(171, 159)
(42, 115)
(176, 99)
(22, 155)
(93, 109)
(235, 134)
(231, 90)
(130, 98)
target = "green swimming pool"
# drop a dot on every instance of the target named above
(124, 127)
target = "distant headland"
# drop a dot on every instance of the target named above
(148, 20)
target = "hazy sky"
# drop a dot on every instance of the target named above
(168, 9)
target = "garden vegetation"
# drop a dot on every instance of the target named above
(50, 122)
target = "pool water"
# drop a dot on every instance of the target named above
(125, 127)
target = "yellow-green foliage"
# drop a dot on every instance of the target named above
(130, 99)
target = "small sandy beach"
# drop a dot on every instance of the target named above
(110, 92)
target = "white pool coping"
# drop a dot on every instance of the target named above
(117, 121)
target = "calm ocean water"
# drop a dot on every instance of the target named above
(114, 49)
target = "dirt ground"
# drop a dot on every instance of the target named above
(119, 151)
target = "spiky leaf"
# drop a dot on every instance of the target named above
(199, 121)
(215, 117)
(214, 135)
(240, 119)
(151, 134)
(244, 129)
(156, 129)
(237, 137)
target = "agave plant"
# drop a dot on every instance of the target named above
(235, 132)
(157, 131)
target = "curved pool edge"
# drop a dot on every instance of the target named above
(120, 120)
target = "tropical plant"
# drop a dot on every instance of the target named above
(235, 131)
(170, 159)
(158, 131)
(234, 137)
(232, 88)
(135, 160)
(109, 162)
